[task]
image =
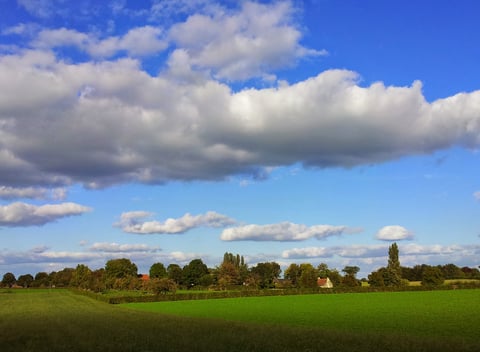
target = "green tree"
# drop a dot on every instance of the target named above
(266, 273)
(308, 277)
(158, 270)
(175, 273)
(193, 272)
(8, 280)
(162, 286)
(293, 273)
(62, 278)
(451, 271)
(119, 273)
(350, 278)
(376, 278)
(393, 274)
(233, 270)
(42, 279)
(82, 277)
(25, 280)
(432, 276)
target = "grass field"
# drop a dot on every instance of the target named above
(58, 320)
(427, 313)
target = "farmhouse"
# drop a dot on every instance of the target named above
(324, 283)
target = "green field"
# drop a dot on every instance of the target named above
(427, 313)
(59, 320)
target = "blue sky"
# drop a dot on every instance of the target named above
(288, 131)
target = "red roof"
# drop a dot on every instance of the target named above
(321, 282)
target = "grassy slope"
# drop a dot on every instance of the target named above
(427, 313)
(58, 320)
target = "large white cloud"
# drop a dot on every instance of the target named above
(106, 122)
(284, 231)
(394, 233)
(23, 214)
(132, 222)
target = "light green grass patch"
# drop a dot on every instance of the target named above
(427, 313)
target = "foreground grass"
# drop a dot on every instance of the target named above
(58, 320)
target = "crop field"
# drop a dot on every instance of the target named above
(59, 320)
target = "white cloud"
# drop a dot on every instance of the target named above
(22, 214)
(114, 123)
(284, 231)
(121, 248)
(244, 44)
(394, 233)
(32, 193)
(476, 195)
(130, 222)
(140, 41)
(410, 254)
(353, 251)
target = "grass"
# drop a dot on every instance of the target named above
(59, 320)
(424, 314)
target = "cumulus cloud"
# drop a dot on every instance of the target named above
(112, 122)
(284, 231)
(259, 38)
(394, 233)
(140, 41)
(23, 214)
(132, 222)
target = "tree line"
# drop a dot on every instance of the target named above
(233, 272)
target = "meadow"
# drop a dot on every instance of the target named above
(59, 320)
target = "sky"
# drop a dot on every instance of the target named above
(315, 131)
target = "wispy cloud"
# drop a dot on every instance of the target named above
(476, 195)
(284, 231)
(410, 253)
(32, 193)
(132, 222)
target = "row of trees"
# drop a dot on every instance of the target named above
(233, 271)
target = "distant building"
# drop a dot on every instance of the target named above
(324, 283)
(144, 277)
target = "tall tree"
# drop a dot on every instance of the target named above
(293, 273)
(308, 276)
(393, 272)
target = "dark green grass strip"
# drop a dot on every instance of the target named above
(62, 321)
